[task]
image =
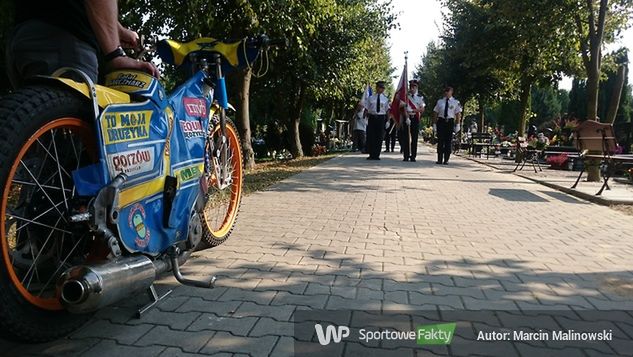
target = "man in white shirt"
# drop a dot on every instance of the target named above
(360, 127)
(411, 127)
(377, 106)
(446, 114)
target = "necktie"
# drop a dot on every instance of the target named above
(446, 109)
(378, 104)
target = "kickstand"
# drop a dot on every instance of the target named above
(153, 296)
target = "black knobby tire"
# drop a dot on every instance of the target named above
(22, 115)
(213, 238)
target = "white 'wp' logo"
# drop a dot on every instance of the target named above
(331, 332)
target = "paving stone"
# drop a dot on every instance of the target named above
(258, 297)
(218, 307)
(108, 348)
(60, 347)
(285, 347)
(313, 301)
(269, 327)
(254, 346)
(175, 320)
(276, 312)
(177, 352)
(188, 341)
(234, 325)
(454, 302)
(123, 334)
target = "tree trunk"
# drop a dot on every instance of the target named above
(295, 140)
(243, 116)
(526, 87)
(614, 103)
(482, 118)
(596, 34)
(593, 82)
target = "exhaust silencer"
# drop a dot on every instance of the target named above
(87, 288)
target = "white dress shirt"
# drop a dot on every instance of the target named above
(370, 105)
(454, 107)
(414, 102)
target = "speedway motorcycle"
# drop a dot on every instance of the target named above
(106, 187)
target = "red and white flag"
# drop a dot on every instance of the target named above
(400, 95)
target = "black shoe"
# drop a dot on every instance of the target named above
(412, 160)
(438, 163)
(370, 158)
(405, 159)
(445, 162)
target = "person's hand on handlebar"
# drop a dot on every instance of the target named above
(130, 63)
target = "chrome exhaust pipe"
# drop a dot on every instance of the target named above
(87, 288)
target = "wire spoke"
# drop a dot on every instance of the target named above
(34, 218)
(43, 191)
(39, 254)
(20, 182)
(60, 266)
(51, 155)
(59, 169)
(38, 223)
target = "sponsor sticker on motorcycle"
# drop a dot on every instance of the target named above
(128, 80)
(136, 221)
(195, 107)
(189, 173)
(119, 127)
(132, 162)
(191, 129)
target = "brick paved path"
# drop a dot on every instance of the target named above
(388, 235)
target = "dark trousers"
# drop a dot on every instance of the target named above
(37, 48)
(359, 140)
(410, 149)
(444, 138)
(375, 133)
(390, 137)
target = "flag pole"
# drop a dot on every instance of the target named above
(406, 70)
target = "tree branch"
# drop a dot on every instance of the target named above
(604, 4)
(592, 19)
(583, 42)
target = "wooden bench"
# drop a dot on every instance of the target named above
(596, 141)
(480, 141)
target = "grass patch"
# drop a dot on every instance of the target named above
(269, 173)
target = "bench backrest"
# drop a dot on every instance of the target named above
(594, 136)
(481, 136)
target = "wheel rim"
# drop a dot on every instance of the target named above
(222, 203)
(38, 242)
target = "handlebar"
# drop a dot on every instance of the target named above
(265, 42)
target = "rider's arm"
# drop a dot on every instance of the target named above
(103, 18)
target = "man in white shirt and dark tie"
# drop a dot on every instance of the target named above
(446, 114)
(377, 106)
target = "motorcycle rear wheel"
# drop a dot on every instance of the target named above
(222, 203)
(45, 134)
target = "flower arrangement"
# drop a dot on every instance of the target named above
(318, 150)
(557, 161)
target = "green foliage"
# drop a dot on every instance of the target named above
(335, 46)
